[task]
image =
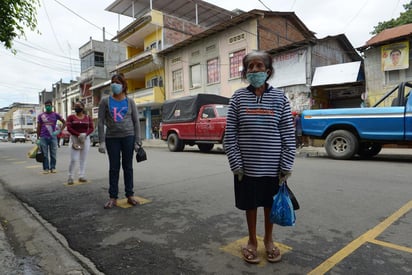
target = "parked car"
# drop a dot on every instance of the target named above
(18, 137)
(94, 137)
(363, 131)
(194, 120)
(4, 136)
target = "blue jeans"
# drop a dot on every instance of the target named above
(120, 151)
(49, 145)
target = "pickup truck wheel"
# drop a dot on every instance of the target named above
(369, 149)
(205, 147)
(174, 143)
(341, 144)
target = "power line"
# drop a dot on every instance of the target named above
(265, 5)
(44, 50)
(356, 15)
(51, 26)
(78, 15)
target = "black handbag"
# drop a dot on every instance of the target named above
(141, 154)
(292, 197)
(39, 155)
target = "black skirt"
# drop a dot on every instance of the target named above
(253, 192)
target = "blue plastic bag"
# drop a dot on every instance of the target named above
(282, 212)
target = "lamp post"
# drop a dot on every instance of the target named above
(65, 104)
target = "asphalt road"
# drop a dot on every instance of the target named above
(355, 216)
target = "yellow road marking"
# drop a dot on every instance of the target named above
(391, 245)
(234, 248)
(33, 166)
(355, 244)
(123, 202)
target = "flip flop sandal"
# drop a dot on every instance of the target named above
(250, 255)
(110, 204)
(273, 256)
(132, 201)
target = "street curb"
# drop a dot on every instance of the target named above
(39, 239)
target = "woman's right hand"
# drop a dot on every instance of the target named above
(102, 148)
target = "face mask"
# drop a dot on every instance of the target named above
(116, 88)
(256, 79)
(48, 108)
(78, 109)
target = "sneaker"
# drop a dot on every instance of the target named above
(53, 171)
(45, 172)
(82, 179)
(70, 181)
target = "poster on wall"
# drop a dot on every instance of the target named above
(290, 69)
(395, 56)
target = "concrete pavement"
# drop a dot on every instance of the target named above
(46, 251)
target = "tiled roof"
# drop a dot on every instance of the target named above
(388, 35)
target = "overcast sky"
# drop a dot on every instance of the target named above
(65, 25)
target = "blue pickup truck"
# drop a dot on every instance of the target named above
(362, 131)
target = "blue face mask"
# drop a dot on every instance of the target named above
(256, 79)
(116, 88)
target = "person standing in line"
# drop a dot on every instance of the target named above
(120, 116)
(260, 147)
(80, 126)
(47, 136)
(298, 129)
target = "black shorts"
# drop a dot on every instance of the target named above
(253, 192)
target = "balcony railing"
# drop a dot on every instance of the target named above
(136, 58)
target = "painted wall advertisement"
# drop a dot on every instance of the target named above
(290, 69)
(395, 56)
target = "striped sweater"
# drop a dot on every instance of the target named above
(260, 136)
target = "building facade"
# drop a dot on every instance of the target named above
(211, 61)
(157, 25)
(381, 74)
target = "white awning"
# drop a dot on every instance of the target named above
(336, 74)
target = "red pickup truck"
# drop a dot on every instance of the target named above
(194, 120)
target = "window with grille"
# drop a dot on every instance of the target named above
(235, 63)
(94, 59)
(176, 60)
(236, 38)
(98, 59)
(177, 80)
(213, 71)
(210, 48)
(156, 81)
(195, 77)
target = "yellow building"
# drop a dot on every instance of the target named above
(157, 26)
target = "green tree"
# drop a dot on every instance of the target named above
(15, 16)
(404, 18)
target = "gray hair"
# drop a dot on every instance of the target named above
(262, 55)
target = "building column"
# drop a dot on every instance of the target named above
(148, 115)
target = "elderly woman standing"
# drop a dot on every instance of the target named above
(120, 116)
(260, 146)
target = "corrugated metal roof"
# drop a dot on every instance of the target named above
(234, 21)
(336, 74)
(387, 35)
(196, 11)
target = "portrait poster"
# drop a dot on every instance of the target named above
(395, 56)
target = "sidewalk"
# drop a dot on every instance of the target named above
(39, 248)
